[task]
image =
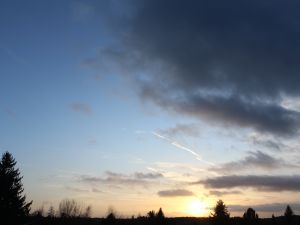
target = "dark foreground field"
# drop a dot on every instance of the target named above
(146, 221)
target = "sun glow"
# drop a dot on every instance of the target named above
(196, 207)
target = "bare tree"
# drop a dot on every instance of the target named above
(88, 212)
(69, 208)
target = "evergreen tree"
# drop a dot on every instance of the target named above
(160, 217)
(13, 206)
(220, 216)
(288, 214)
(250, 217)
(160, 214)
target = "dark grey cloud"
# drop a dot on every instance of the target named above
(112, 178)
(260, 183)
(228, 61)
(271, 143)
(81, 108)
(222, 193)
(257, 160)
(175, 193)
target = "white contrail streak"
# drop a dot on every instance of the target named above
(182, 147)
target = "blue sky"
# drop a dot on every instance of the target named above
(156, 104)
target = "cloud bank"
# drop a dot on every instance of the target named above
(260, 183)
(229, 62)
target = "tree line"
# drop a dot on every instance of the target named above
(221, 216)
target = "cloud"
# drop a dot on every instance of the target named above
(272, 143)
(82, 11)
(112, 178)
(260, 183)
(257, 160)
(79, 190)
(180, 129)
(175, 193)
(96, 190)
(194, 59)
(10, 112)
(79, 107)
(147, 175)
(222, 193)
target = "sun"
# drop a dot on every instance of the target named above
(196, 207)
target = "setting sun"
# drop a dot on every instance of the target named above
(196, 207)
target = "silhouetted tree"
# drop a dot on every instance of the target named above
(288, 214)
(220, 216)
(151, 214)
(51, 212)
(88, 212)
(69, 208)
(160, 217)
(250, 217)
(38, 212)
(111, 216)
(13, 206)
(274, 221)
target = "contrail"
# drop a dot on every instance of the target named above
(182, 147)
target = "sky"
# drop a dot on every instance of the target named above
(141, 104)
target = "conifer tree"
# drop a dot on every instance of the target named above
(250, 217)
(288, 214)
(160, 217)
(220, 216)
(13, 206)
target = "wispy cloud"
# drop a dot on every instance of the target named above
(112, 178)
(10, 112)
(82, 11)
(222, 193)
(182, 129)
(80, 107)
(74, 189)
(175, 193)
(257, 160)
(96, 190)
